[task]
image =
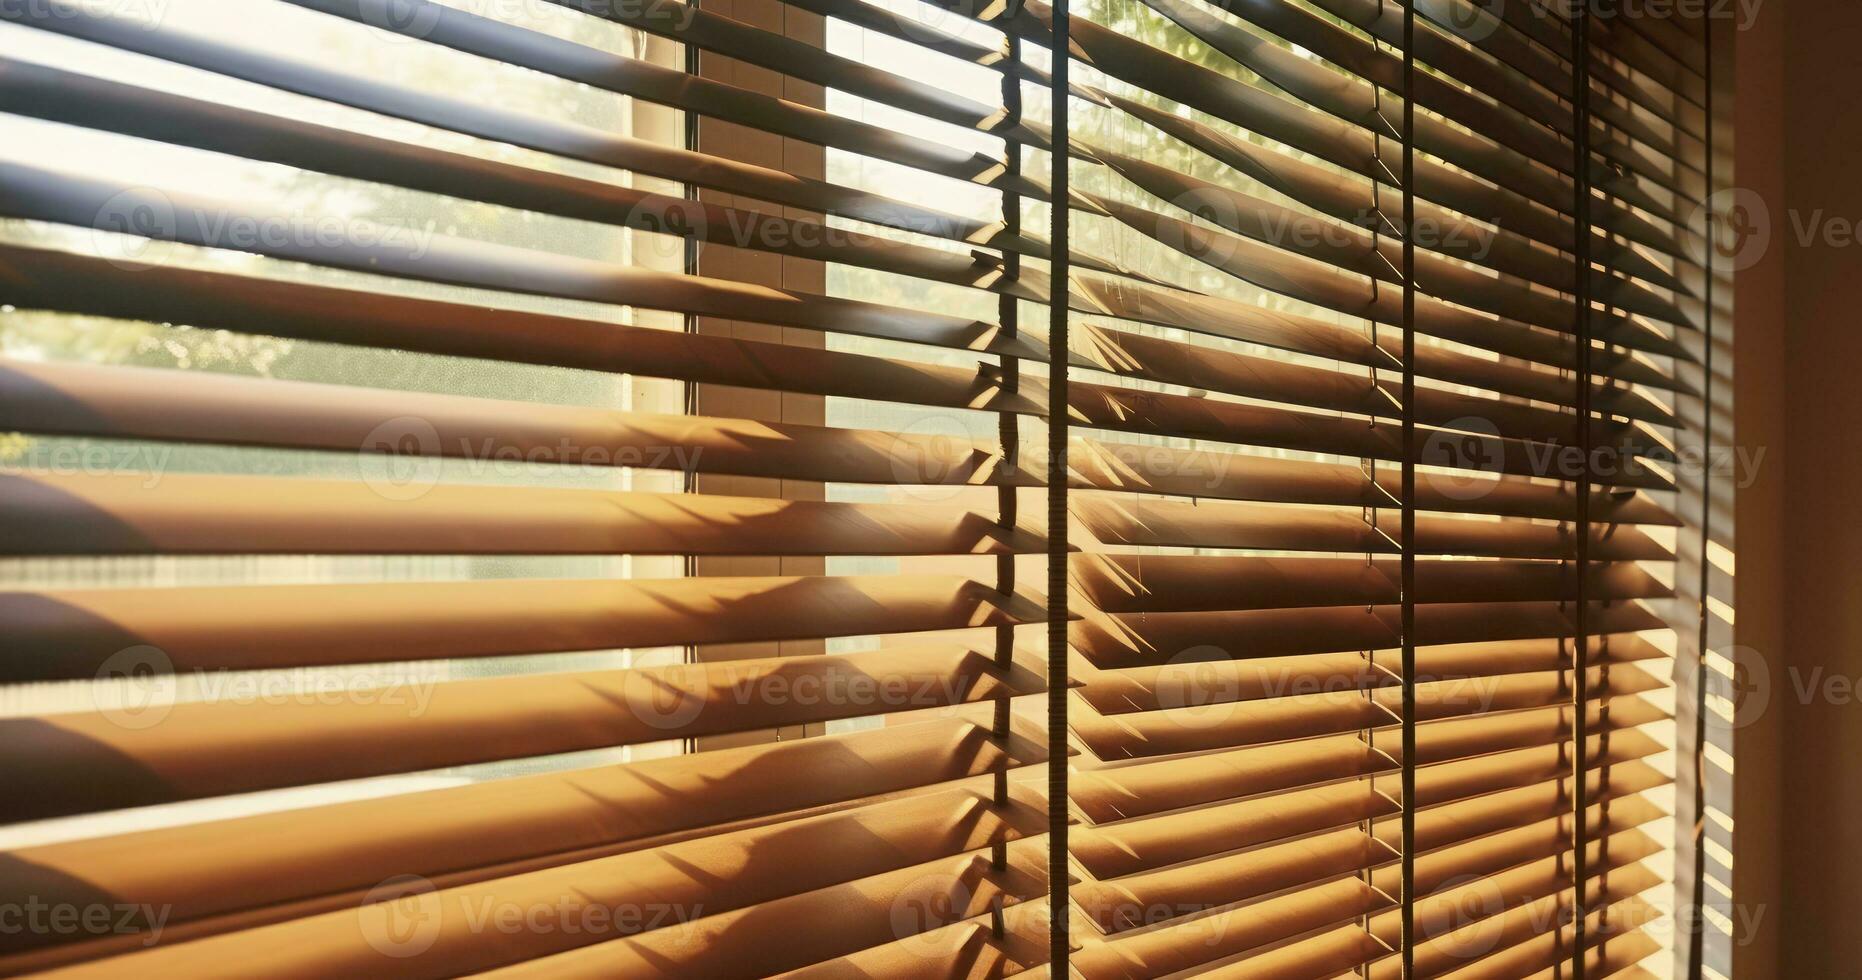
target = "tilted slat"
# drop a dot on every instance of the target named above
(1442, 953)
(1481, 455)
(632, 892)
(306, 77)
(1472, 133)
(48, 93)
(1141, 639)
(1505, 234)
(1148, 843)
(1222, 880)
(1099, 464)
(218, 876)
(1198, 940)
(82, 762)
(146, 513)
(755, 942)
(511, 44)
(1315, 279)
(81, 633)
(1213, 678)
(204, 219)
(141, 403)
(1225, 724)
(1269, 379)
(1251, 526)
(1155, 787)
(217, 300)
(1186, 583)
(1212, 884)
(1138, 63)
(966, 950)
(1612, 942)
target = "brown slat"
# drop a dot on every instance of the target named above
(1271, 379)
(155, 513)
(143, 403)
(224, 301)
(1312, 276)
(1534, 108)
(1235, 320)
(1149, 843)
(755, 942)
(1482, 456)
(1120, 905)
(1148, 639)
(1226, 724)
(639, 890)
(80, 633)
(1134, 61)
(318, 81)
(1511, 246)
(66, 97)
(1219, 679)
(76, 763)
(1345, 949)
(1194, 941)
(1136, 468)
(202, 219)
(1487, 133)
(965, 950)
(1612, 942)
(1445, 952)
(1237, 525)
(224, 875)
(1154, 787)
(710, 31)
(1182, 583)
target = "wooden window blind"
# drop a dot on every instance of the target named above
(1253, 552)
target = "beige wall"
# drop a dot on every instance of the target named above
(749, 145)
(1798, 805)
